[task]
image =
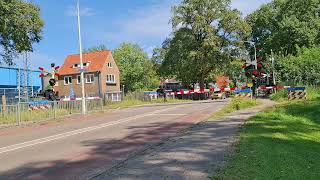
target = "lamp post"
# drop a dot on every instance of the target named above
(255, 52)
(273, 71)
(255, 59)
(81, 62)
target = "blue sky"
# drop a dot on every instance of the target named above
(108, 22)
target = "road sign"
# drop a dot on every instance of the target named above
(250, 85)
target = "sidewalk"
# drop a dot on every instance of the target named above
(193, 154)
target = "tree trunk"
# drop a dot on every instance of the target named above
(202, 85)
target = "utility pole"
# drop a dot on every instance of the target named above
(273, 69)
(255, 62)
(255, 53)
(19, 84)
(81, 62)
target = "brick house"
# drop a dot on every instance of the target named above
(101, 75)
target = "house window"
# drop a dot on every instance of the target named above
(78, 79)
(75, 65)
(67, 80)
(111, 78)
(109, 64)
(86, 64)
(89, 78)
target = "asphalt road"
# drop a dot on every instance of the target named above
(80, 148)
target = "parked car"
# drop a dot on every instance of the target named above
(218, 95)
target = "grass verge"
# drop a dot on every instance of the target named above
(281, 143)
(282, 95)
(234, 105)
(135, 102)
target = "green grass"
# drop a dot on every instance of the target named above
(135, 102)
(282, 95)
(234, 105)
(12, 118)
(281, 143)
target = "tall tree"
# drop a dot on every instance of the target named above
(137, 71)
(206, 33)
(302, 69)
(284, 25)
(20, 27)
(95, 48)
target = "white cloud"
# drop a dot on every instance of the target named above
(84, 11)
(148, 50)
(248, 6)
(149, 26)
(143, 24)
(39, 60)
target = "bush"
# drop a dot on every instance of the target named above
(281, 95)
(301, 69)
(313, 93)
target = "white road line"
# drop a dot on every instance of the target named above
(170, 114)
(75, 132)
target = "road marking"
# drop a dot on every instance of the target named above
(170, 114)
(76, 132)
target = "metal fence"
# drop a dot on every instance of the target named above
(24, 112)
(12, 94)
(113, 96)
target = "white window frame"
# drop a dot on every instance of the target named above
(78, 79)
(109, 64)
(69, 80)
(111, 78)
(76, 65)
(86, 64)
(91, 79)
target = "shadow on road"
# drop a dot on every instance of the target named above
(104, 155)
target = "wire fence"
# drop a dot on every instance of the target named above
(24, 112)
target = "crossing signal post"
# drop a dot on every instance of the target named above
(52, 77)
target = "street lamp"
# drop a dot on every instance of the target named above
(81, 62)
(255, 52)
(273, 68)
(255, 58)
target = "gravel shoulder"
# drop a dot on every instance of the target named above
(195, 153)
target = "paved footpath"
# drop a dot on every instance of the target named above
(193, 154)
(83, 147)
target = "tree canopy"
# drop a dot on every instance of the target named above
(20, 27)
(206, 33)
(284, 25)
(137, 71)
(302, 69)
(95, 48)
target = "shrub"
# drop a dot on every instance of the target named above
(281, 95)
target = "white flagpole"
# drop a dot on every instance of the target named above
(81, 62)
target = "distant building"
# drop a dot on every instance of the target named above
(101, 75)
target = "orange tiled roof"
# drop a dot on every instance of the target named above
(96, 59)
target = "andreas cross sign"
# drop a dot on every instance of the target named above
(49, 92)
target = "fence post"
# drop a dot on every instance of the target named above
(101, 104)
(54, 110)
(19, 113)
(69, 106)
